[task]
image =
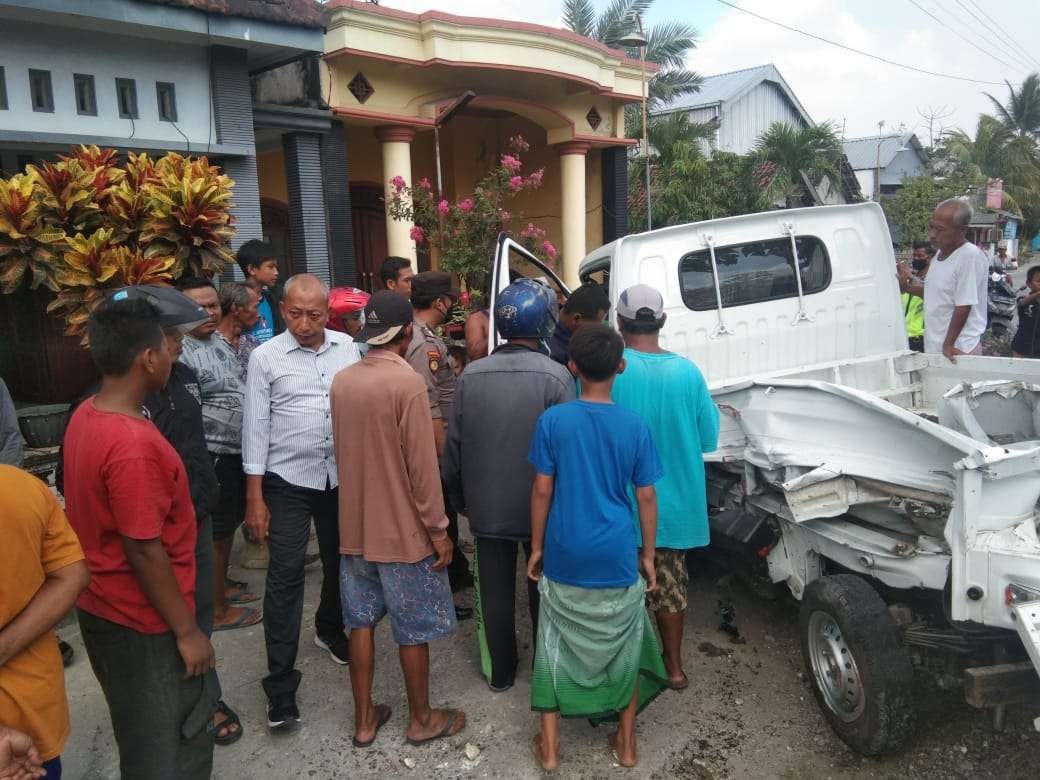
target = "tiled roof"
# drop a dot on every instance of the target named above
(299, 13)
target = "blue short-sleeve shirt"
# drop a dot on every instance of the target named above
(595, 452)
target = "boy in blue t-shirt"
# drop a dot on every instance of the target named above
(259, 264)
(596, 655)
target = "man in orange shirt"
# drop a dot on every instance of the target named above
(42, 572)
(393, 541)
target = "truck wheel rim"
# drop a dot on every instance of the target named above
(834, 668)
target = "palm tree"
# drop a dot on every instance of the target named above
(1021, 114)
(814, 150)
(668, 44)
(668, 132)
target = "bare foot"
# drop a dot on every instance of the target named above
(624, 754)
(441, 723)
(547, 759)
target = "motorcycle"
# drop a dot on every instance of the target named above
(1002, 309)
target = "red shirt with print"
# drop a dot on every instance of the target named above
(123, 479)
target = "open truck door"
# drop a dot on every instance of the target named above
(513, 262)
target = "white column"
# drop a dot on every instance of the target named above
(397, 161)
(572, 183)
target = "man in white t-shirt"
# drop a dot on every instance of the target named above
(955, 290)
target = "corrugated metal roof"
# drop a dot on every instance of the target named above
(731, 86)
(863, 152)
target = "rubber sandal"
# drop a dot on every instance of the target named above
(678, 686)
(249, 617)
(383, 713)
(230, 721)
(242, 596)
(449, 730)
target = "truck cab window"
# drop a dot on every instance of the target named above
(754, 272)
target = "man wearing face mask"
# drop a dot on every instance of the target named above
(434, 298)
(913, 305)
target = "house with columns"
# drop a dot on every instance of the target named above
(388, 79)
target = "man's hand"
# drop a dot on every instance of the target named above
(19, 759)
(196, 652)
(646, 563)
(258, 518)
(950, 351)
(534, 565)
(904, 275)
(443, 549)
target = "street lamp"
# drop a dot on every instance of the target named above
(636, 38)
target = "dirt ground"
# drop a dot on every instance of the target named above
(749, 713)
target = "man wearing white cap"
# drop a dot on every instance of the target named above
(671, 395)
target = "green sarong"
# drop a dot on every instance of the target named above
(593, 645)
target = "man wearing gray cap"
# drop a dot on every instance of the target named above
(668, 391)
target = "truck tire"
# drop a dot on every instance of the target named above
(859, 669)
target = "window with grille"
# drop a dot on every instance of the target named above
(167, 97)
(126, 96)
(3, 90)
(361, 88)
(86, 96)
(40, 91)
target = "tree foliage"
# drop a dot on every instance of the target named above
(1021, 112)
(815, 151)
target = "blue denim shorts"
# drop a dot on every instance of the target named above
(417, 598)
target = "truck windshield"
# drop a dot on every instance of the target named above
(754, 272)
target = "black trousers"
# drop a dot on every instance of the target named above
(205, 599)
(496, 583)
(291, 509)
(459, 575)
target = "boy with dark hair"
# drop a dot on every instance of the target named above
(1027, 338)
(671, 396)
(128, 499)
(586, 305)
(259, 263)
(595, 654)
(396, 274)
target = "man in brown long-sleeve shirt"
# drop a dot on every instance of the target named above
(393, 538)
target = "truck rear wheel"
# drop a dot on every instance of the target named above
(860, 671)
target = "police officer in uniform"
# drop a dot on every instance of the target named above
(434, 297)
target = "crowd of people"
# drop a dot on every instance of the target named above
(945, 290)
(223, 408)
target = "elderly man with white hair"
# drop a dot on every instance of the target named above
(955, 290)
(290, 467)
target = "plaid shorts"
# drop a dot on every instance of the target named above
(417, 598)
(673, 581)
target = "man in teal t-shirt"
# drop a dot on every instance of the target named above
(668, 391)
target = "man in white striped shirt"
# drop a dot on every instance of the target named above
(288, 458)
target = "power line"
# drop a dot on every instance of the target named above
(1005, 36)
(860, 51)
(963, 37)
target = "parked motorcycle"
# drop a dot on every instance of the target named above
(1003, 313)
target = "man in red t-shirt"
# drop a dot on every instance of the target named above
(127, 498)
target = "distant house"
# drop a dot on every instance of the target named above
(895, 157)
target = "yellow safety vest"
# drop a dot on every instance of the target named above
(913, 310)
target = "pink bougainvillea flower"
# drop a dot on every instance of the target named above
(425, 183)
(466, 206)
(549, 249)
(518, 143)
(417, 234)
(398, 182)
(443, 207)
(510, 163)
(535, 179)
(516, 183)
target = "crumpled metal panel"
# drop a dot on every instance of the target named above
(996, 412)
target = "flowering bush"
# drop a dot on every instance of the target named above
(86, 224)
(465, 232)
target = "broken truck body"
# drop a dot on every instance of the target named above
(894, 493)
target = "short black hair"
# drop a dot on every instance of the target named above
(925, 245)
(391, 267)
(119, 330)
(640, 327)
(425, 300)
(252, 254)
(588, 300)
(1033, 271)
(194, 283)
(596, 350)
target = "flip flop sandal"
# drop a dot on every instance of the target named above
(242, 597)
(678, 686)
(249, 617)
(229, 723)
(449, 730)
(383, 713)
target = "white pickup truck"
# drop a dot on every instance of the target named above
(894, 493)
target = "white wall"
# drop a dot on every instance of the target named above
(745, 119)
(64, 52)
(866, 183)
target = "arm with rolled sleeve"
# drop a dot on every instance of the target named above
(256, 417)
(420, 456)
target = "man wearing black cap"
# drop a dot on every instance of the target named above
(392, 526)
(434, 297)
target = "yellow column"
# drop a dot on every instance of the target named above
(397, 161)
(572, 180)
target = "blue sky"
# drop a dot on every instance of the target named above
(852, 91)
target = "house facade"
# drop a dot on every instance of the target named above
(389, 77)
(882, 162)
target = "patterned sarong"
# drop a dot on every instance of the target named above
(593, 645)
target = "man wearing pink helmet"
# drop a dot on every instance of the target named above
(347, 310)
